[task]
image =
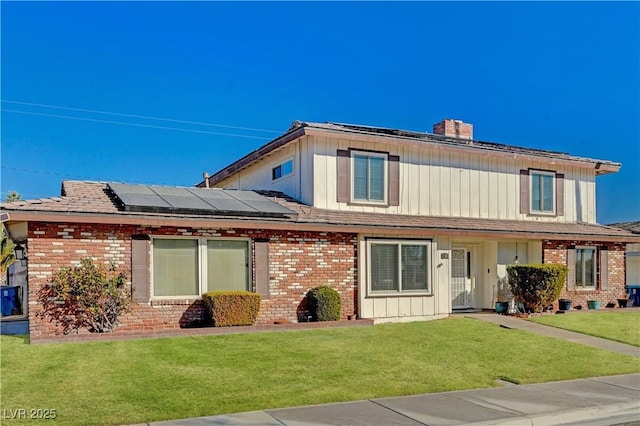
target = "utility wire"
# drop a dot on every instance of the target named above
(135, 124)
(44, 172)
(140, 116)
(67, 176)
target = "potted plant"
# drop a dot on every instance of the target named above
(625, 302)
(502, 295)
(593, 304)
(564, 304)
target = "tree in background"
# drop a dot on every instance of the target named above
(7, 255)
(13, 196)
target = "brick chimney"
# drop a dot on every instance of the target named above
(454, 129)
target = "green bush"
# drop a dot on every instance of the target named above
(536, 286)
(324, 303)
(228, 308)
(85, 296)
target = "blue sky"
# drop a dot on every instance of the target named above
(559, 76)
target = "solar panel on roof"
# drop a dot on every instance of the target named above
(259, 202)
(181, 198)
(139, 196)
(169, 199)
(221, 200)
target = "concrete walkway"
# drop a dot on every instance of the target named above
(558, 333)
(612, 400)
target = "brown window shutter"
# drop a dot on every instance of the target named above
(394, 180)
(140, 267)
(571, 263)
(524, 191)
(344, 176)
(604, 268)
(559, 194)
(261, 259)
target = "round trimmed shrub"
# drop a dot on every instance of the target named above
(536, 286)
(324, 303)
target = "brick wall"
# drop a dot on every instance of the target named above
(556, 252)
(298, 261)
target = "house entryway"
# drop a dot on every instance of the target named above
(462, 278)
(13, 315)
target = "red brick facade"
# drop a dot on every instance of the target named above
(298, 261)
(556, 252)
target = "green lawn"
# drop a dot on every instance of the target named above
(150, 380)
(621, 326)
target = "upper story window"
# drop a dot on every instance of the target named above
(542, 192)
(282, 170)
(369, 177)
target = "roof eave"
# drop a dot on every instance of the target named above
(289, 224)
(601, 166)
(252, 157)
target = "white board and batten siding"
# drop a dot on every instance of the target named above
(258, 176)
(407, 307)
(438, 182)
(433, 181)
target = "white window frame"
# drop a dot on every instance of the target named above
(399, 243)
(385, 169)
(280, 164)
(551, 212)
(202, 262)
(581, 273)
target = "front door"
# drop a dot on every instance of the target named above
(461, 279)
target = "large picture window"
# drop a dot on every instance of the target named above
(175, 267)
(369, 177)
(189, 267)
(398, 266)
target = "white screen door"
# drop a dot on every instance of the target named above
(460, 278)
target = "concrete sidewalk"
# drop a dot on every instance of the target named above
(612, 400)
(595, 401)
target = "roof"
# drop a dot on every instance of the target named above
(116, 198)
(300, 128)
(172, 199)
(94, 202)
(628, 226)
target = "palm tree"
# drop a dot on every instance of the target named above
(13, 196)
(7, 255)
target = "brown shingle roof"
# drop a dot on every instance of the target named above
(76, 196)
(461, 224)
(91, 199)
(298, 128)
(628, 226)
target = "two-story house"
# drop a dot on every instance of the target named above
(405, 225)
(440, 216)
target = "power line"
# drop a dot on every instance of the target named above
(141, 116)
(45, 172)
(134, 124)
(67, 176)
